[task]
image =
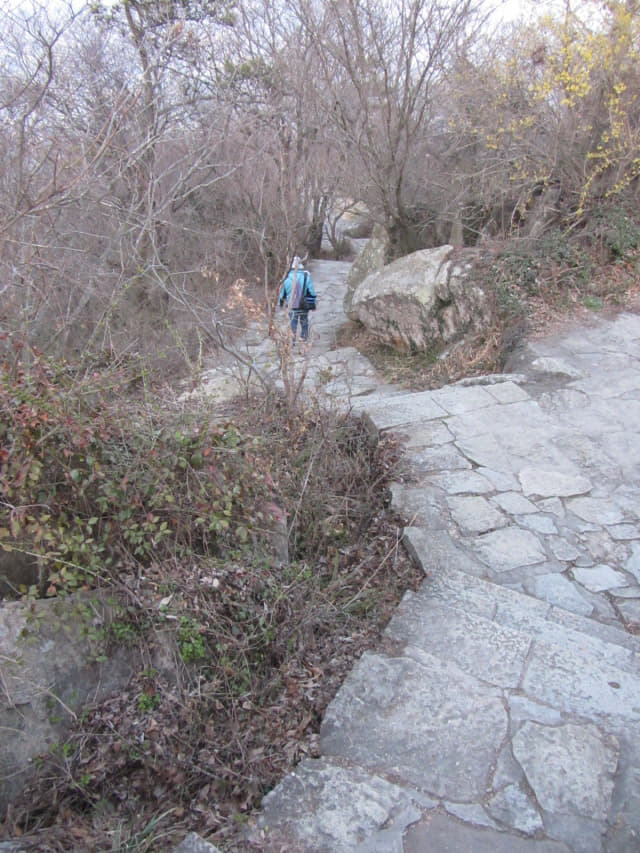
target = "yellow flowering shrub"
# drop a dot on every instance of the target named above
(558, 103)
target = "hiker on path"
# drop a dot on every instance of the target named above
(297, 291)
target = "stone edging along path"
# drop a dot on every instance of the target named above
(502, 710)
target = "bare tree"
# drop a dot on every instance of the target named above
(111, 156)
(380, 67)
(42, 175)
(147, 142)
(154, 152)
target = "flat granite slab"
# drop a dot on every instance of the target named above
(421, 720)
(442, 834)
(327, 807)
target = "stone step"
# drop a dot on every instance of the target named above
(485, 394)
(423, 722)
(383, 412)
(555, 666)
(452, 572)
(520, 612)
(427, 735)
(329, 806)
(416, 734)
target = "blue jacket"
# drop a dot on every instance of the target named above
(287, 284)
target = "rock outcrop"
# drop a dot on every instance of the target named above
(423, 301)
(51, 666)
(371, 259)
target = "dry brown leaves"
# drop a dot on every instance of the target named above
(197, 749)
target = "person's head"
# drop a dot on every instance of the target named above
(297, 262)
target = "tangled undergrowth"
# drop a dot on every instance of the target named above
(255, 559)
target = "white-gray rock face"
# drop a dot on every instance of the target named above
(48, 671)
(371, 259)
(570, 768)
(422, 301)
(396, 717)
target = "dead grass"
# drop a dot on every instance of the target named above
(418, 371)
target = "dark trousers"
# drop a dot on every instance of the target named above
(303, 317)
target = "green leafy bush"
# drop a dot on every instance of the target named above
(545, 266)
(97, 485)
(618, 229)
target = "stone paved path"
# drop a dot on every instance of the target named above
(502, 711)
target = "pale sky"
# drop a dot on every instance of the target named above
(507, 9)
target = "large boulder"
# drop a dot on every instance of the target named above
(425, 300)
(51, 666)
(371, 259)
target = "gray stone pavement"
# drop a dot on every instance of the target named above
(330, 372)
(502, 711)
